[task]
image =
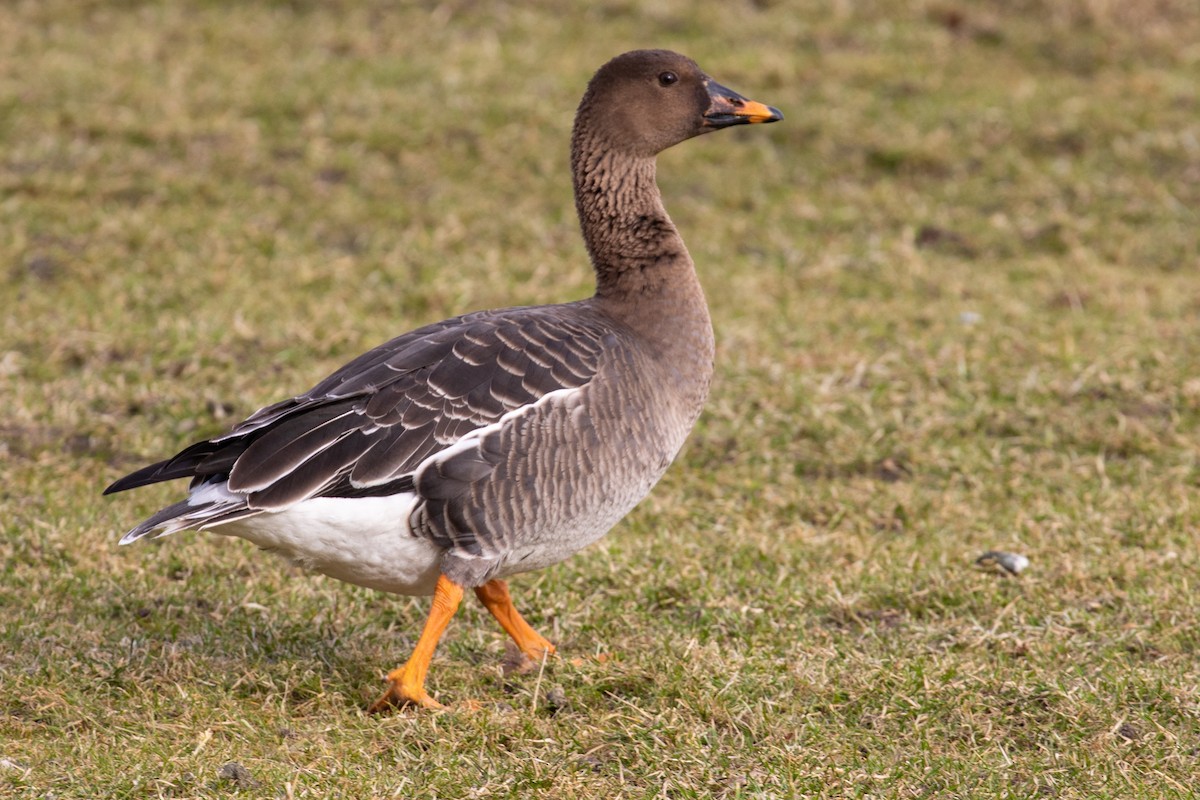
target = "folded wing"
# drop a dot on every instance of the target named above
(369, 426)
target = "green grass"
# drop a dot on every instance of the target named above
(957, 309)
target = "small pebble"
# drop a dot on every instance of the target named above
(44, 268)
(1129, 732)
(556, 700)
(516, 662)
(238, 775)
(1012, 563)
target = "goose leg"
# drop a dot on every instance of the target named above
(407, 684)
(496, 599)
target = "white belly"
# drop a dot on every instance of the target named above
(363, 540)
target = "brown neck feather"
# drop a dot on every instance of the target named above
(644, 275)
(633, 244)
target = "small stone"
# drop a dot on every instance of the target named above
(515, 662)
(947, 241)
(1012, 563)
(43, 268)
(11, 765)
(1129, 732)
(556, 700)
(592, 761)
(238, 775)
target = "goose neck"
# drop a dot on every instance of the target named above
(634, 247)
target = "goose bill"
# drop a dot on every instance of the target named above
(727, 107)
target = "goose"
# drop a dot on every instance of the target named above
(501, 441)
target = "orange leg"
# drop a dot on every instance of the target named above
(496, 599)
(407, 684)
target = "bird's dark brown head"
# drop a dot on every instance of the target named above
(645, 101)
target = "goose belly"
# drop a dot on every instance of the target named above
(363, 540)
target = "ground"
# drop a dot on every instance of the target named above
(957, 310)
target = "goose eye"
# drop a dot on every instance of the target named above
(667, 78)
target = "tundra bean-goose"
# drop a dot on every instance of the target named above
(502, 441)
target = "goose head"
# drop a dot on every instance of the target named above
(644, 101)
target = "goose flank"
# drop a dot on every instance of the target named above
(498, 442)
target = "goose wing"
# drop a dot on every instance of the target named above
(366, 428)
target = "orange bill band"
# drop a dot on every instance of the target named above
(755, 111)
(727, 107)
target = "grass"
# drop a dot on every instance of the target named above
(956, 305)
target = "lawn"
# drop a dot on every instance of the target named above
(957, 302)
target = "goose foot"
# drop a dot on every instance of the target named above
(399, 694)
(406, 685)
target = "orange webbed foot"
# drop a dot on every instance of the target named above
(406, 684)
(537, 648)
(400, 694)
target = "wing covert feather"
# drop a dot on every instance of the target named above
(375, 420)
